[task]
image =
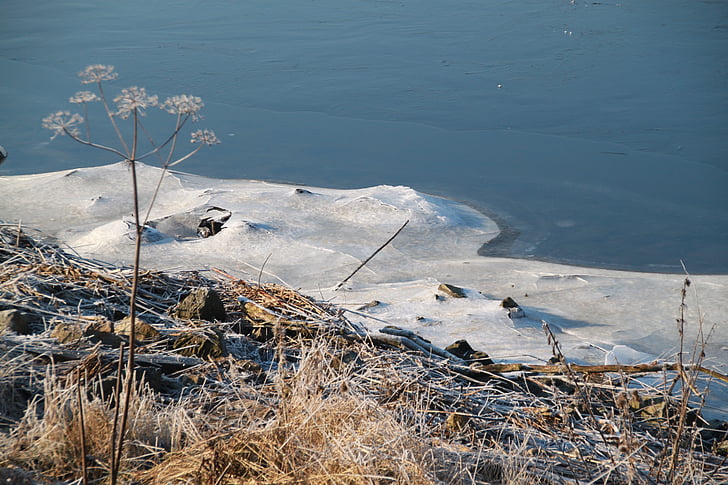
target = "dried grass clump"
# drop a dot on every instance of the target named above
(47, 438)
(316, 430)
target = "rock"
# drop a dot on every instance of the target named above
(721, 448)
(201, 304)
(143, 332)
(213, 221)
(480, 357)
(513, 308)
(452, 290)
(67, 332)
(462, 349)
(102, 330)
(371, 304)
(202, 344)
(14, 321)
(456, 422)
(256, 314)
(509, 303)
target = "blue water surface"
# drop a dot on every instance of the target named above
(596, 132)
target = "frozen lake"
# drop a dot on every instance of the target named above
(596, 130)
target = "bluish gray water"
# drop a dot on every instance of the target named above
(596, 130)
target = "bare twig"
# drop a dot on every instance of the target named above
(373, 254)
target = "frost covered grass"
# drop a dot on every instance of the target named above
(299, 394)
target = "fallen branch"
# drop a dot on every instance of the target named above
(596, 369)
(373, 254)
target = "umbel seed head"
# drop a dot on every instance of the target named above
(97, 73)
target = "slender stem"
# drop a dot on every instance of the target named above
(111, 118)
(687, 384)
(84, 467)
(129, 384)
(95, 145)
(177, 127)
(171, 137)
(117, 396)
(85, 122)
(180, 160)
(161, 177)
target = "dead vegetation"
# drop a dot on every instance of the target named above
(286, 390)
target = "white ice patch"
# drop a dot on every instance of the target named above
(624, 355)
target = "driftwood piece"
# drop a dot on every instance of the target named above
(168, 362)
(596, 369)
(418, 343)
(408, 339)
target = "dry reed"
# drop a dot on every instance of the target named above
(304, 396)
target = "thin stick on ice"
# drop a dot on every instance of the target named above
(372, 256)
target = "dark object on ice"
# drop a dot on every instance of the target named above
(370, 304)
(509, 303)
(452, 290)
(212, 221)
(3, 154)
(462, 349)
(514, 309)
(201, 304)
(303, 192)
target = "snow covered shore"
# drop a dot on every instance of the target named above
(312, 238)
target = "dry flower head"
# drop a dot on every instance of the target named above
(96, 73)
(83, 97)
(134, 99)
(63, 122)
(183, 105)
(205, 136)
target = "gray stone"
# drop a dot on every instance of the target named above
(513, 308)
(14, 321)
(67, 332)
(452, 290)
(102, 330)
(143, 332)
(201, 304)
(369, 305)
(203, 344)
(462, 349)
